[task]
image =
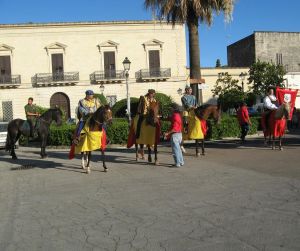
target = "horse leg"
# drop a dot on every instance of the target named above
(82, 160)
(103, 160)
(142, 151)
(136, 152)
(88, 160)
(149, 154)
(280, 146)
(43, 145)
(155, 155)
(202, 146)
(273, 142)
(12, 141)
(197, 150)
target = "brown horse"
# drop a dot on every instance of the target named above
(149, 131)
(276, 124)
(205, 112)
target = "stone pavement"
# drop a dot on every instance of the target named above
(237, 197)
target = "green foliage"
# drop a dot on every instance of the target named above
(228, 91)
(218, 63)
(165, 102)
(119, 108)
(102, 98)
(263, 74)
(41, 109)
(229, 127)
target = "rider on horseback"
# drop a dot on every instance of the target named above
(189, 103)
(144, 108)
(270, 104)
(31, 115)
(86, 107)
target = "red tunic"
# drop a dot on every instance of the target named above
(243, 115)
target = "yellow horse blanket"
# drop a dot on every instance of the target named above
(196, 127)
(89, 140)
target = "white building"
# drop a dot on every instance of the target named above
(55, 63)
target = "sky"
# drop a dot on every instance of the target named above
(248, 16)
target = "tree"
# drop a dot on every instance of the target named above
(264, 74)
(218, 63)
(191, 12)
(228, 91)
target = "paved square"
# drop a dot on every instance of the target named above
(234, 198)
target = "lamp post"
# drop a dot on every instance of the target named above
(102, 87)
(242, 77)
(126, 64)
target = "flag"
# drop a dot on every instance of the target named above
(286, 96)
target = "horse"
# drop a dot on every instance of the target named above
(93, 137)
(150, 126)
(203, 113)
(276, 124)
(17, 127)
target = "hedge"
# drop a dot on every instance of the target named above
(117, 132)
(119, 108)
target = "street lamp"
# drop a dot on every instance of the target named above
(126, 64)
(242, 77)
(102, 87)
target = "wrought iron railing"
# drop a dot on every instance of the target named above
(48, 78)
(153, 73)
(10, 79)
(108, 75)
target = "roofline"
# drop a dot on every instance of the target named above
(276, 32)
(244, 38)
(85, 23)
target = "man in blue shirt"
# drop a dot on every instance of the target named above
(189, 102)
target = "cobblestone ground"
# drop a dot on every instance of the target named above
(237, 197)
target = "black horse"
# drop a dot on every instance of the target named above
(15, 129)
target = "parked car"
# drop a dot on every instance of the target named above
(3, 134)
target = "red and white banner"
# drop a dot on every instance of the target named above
(286, 96)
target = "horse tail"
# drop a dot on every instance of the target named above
(8, 142)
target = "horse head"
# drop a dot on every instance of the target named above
(102, 115)
(153, 116)
(57, 116)
(209, 111)
(283, 111)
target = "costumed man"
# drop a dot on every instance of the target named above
(144, 108)
(86, 107)
(270, 104)
(31, 115)
(189, 103)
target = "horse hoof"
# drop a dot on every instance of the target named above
(156, 163)
(105, 169)
(14, 157)
(197, 154)
(44, 157)
(143, 158)
(281, 148)
(88, 170)
(203, 154)
(83, 167)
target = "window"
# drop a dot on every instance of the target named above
(57, 66)
(111, 100)
(279, 59)
(154, 63)
(109, 64)
(7, 110)
(5, 69)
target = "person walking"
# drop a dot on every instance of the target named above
(244, 120)
(175, 135)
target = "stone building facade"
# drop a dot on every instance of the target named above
(277, 47)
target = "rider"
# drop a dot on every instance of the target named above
(31, 115)
(270, 104)
(189, 103)
(86, 107)
(144, 108)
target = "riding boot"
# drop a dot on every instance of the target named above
(185, 124)
(138, 127)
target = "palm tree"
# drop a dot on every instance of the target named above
(191, 12)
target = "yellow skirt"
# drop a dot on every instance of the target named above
(89, 140)
(147, 133)
(194, 127)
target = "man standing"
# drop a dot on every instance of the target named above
(244, 120)
(189, 103)
(144, 108)
(31, 115)
(86, 107)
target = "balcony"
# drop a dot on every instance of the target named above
(110, 76)
(158, 74)
(10, 81)
(57, 79)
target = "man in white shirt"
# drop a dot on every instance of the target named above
(270, 100)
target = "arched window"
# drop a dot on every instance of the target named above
(61, 100)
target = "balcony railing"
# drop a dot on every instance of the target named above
(10, 80)
(153, 74)
(107, 76)
(47, 79)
